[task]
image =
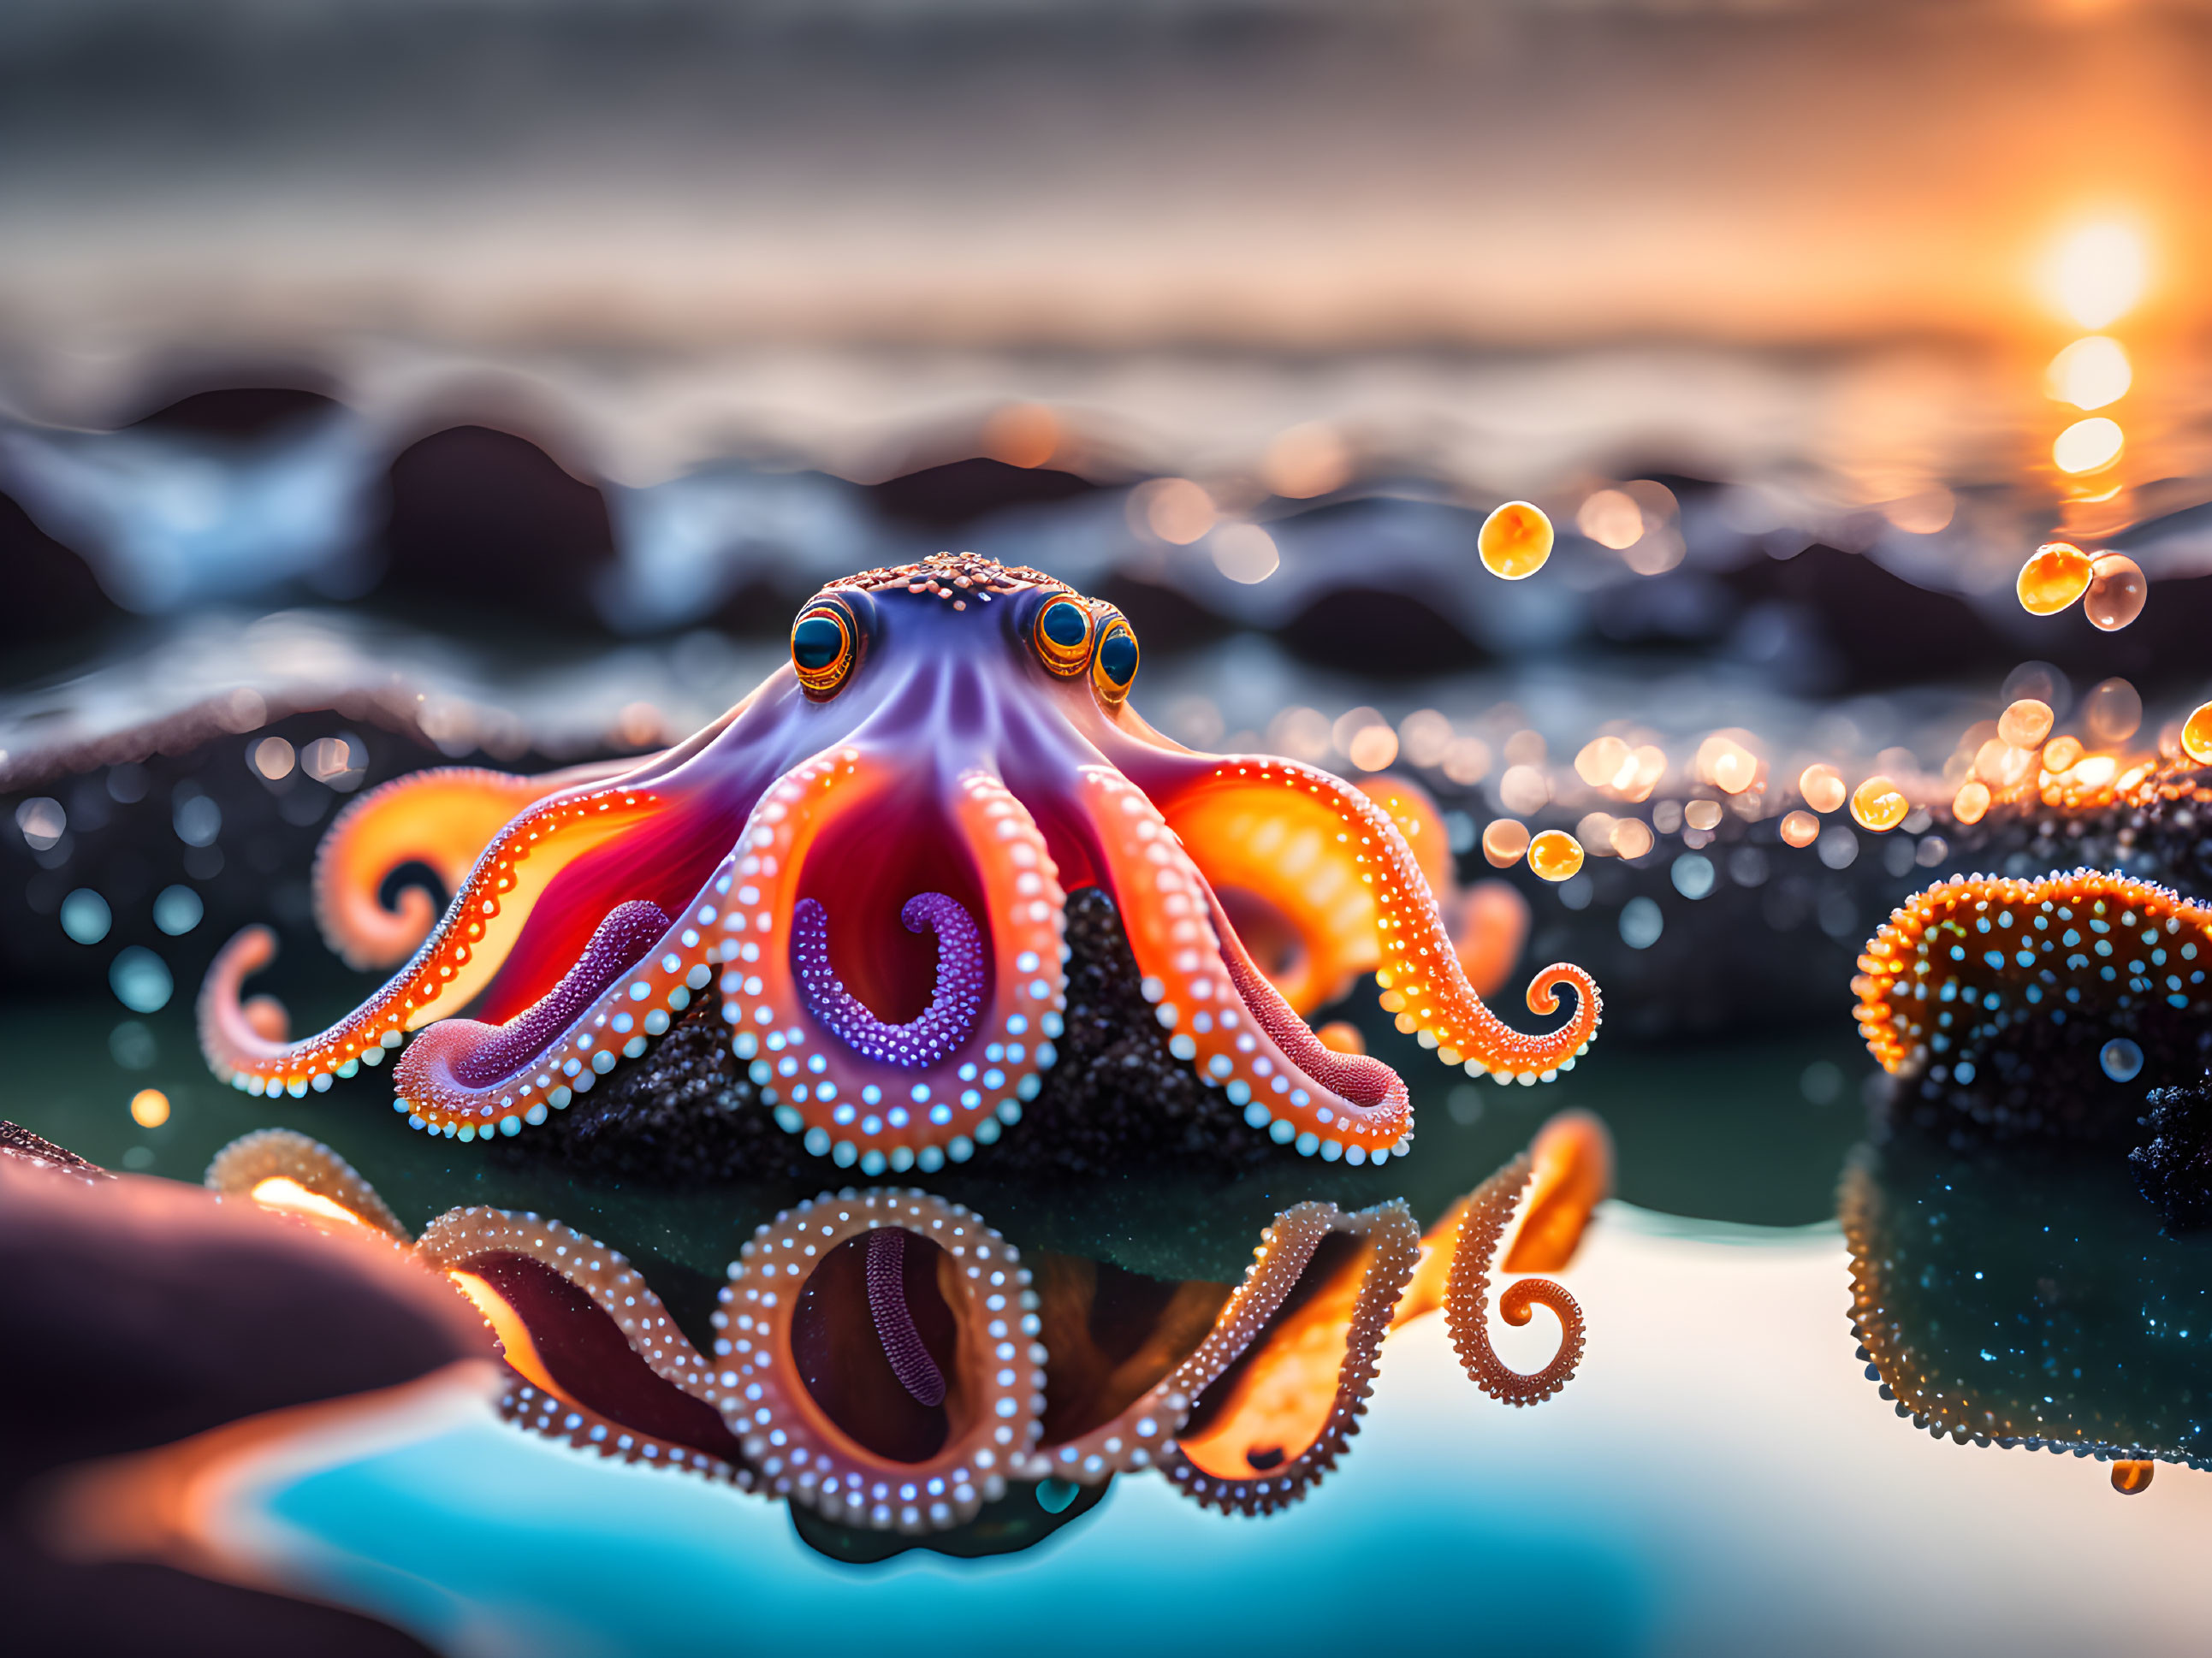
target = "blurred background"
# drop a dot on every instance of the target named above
(387, 383)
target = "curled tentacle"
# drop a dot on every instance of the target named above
(812, 1388)
(910, 1362)
(462, 1070)
(858, 1090)
(941, 1027)
(1418, 969)
(443, 818)
(1227, 1018)
(1467, 1297)
(460, 957)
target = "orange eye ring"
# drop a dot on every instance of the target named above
(1114, 664)
(1063, 634)
(824, 644)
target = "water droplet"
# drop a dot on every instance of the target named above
(2054, 578)
(1503, 842)
(1801, 829)
(149, 1108)
(1693, 875)
(85, 916)
(1971, 800)
(2061, 753)
(1878, 804)
(2129, 1479)
(1054, 1496)
(2118, 588)
(1515, 541)
(1822, 787)
(2196, 735)
(178, 910)
(1702, 814)
(141, 979)
(2122, 1059)
(2026, 723)
(1555, 855)
(1641, 923)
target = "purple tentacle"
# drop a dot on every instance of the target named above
(617, 945)
(910, 1362)
(939, 1028)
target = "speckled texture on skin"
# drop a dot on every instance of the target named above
(1117, 1099)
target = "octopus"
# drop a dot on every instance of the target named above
(886, 1359)
(867, 861)
(2039, 1007)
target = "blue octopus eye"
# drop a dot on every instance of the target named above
(1114, 666)
(821, 647)
(1063, 636)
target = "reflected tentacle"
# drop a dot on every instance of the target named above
(1467, 1297)
(806, 1421)
(1289, 1390)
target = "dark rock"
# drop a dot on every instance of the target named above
(1117, 1099)
(2174, 1165)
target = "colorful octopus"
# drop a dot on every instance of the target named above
(952, 743)
(887, 1360)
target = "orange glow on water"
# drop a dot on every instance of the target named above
(2099, 272)
(2089, 445)
(2090, 374)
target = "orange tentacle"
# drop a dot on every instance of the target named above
(456, 961)
(443, 818)
(1419, 971)
(1467, 1297)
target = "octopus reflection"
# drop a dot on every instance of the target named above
(952, 744)
(887, 1363)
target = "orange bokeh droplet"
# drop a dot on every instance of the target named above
(2026, 723)
(1503, 842)
(1702, 814)
(1555, 855)
(1971, 800)
(1878, 804)
(1515, 541)
(2130, 1477)
(2118, 588)
(149, 1108)
(1822, 787)
(1341, 1036)
(2061, 753)
(2196, 735)
(2054, 578)
(1801, 829)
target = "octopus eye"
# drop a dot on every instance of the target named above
(1115, 667)
(1063, 637)
(822, 648)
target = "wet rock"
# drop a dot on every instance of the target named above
(2173, 1164)
(1117, 1099)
